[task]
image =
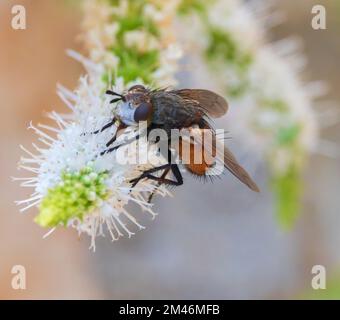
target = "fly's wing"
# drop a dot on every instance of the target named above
(213, 104)
(233, 166)
(222, 154)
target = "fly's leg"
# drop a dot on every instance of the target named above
(148, 172)
(175, 171)
(113, 139)
(107, 126)
(171, 165)
(121, 145)
(161, 180)
(164, 174)
(177, 174)
(121, 126)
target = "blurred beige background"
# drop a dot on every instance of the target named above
(220, 243)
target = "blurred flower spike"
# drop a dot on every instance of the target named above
(275, 118)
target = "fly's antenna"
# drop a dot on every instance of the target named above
(112, 93)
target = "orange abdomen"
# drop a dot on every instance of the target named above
(194, 158)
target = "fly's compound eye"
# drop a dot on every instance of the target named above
(143, 112)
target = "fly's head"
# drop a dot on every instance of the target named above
(134, 105)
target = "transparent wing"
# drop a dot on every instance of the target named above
(215, 105)
(222, 154)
